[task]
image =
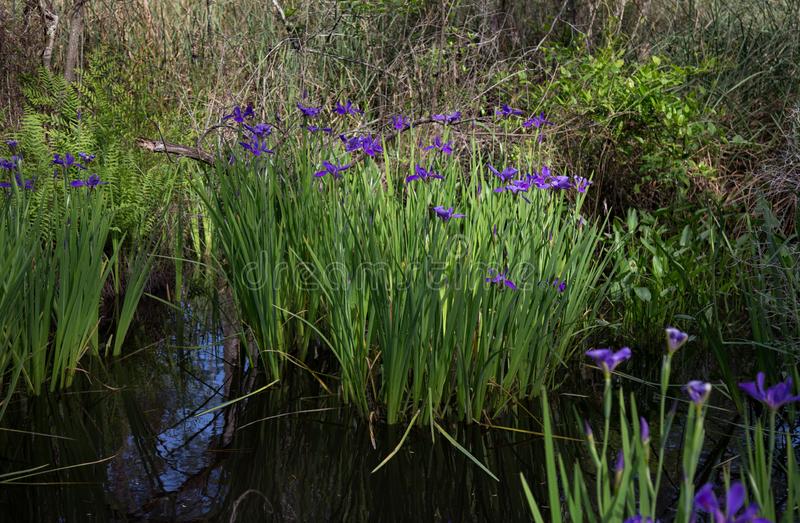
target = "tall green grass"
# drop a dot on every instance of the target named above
(52, 297)
(398, 295)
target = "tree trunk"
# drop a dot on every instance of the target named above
(75, 37)
(50, 19)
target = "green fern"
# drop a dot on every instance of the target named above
(98, 116)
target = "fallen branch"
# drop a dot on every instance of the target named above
(182, 151)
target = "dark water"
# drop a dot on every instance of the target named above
(137, 441)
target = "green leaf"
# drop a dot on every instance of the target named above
(643, 293)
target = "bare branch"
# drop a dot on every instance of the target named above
(183, 151)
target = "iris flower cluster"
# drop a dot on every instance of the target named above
(447, 118)
(366, 143)
(9, 165)
(22, 184)
(400, 123)
(12, 166)
(543, 180)
(69, 161)
(255, 141)
(731, 507)
(317, 129)
(254, 137)
(500, 279)
(91, 182)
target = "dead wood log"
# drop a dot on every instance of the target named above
(182, 151)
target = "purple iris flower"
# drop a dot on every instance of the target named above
(444, 147)
(560, 182)
(256, 146)
(707, 501)
(546, 180)
(316, 129)
(5, 185)
(507, 173)
(500, 279)
(619, 464)
(6, 165)
(86, 158)
(400, 123)
(516, 186)
(371, 146)
(262, 130)
(506, 111)
(675, 339)
(561, 285)
(350, 144)
(333, 169)
(587, 429)
(540, 179)
(27, 184)
(366, 143)
(607, 359)
(644, 430)
(774, 397)
(537, 121)
(347, 108)
(310, 112)
(698, 391)
(420, 173)
(581, 183)
(93, 181)
(446, 214)
(67, 161)
(239, 115)
(447, 117)
(12, 144)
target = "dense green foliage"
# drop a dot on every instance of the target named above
(398, 295)
(685, 116)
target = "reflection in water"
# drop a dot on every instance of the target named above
(141, 440)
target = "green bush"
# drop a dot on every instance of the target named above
(640, 127)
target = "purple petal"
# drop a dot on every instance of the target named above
(734, 499)
(705, 499)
